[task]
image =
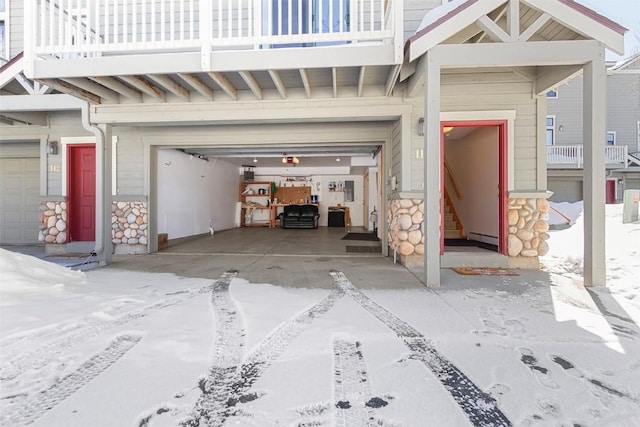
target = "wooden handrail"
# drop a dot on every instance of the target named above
(569, 221)
(453, 180)
(456, 218)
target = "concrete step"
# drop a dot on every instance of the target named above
(473, 259)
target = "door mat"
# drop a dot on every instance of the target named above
(484, 271)
(361, 236)
(364, 249)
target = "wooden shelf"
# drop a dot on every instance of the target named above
(261, 201)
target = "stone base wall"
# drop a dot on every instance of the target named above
(527, 239)
(528, 225)
(405, 231)
(53, 222)
(129, 222)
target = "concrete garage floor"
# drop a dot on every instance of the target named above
(290, 258)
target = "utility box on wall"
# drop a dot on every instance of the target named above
(630, 209)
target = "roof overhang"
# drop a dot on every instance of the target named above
(468, 18)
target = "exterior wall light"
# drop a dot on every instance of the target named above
(52, 147)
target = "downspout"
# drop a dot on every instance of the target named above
(99, 233)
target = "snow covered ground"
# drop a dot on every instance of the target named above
(121, 348)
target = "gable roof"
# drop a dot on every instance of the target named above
(446, 21)
(631, 63)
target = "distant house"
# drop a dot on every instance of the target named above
(622, 150)
(125, 120)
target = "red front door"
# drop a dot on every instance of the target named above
(81, 192)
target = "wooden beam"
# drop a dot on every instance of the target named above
(552, 77)
(416, 81)
(528, 73)
(534, 28)
(26, 83)
(493, 30)
(277, 81)
(252, 83)
(334, 79)
(392, 79)
(93, 87)
(143, 85)
(225, 84)
(513, 19)
(170, 85)
(305, 82)
(197, 84)
(30, 118)
(63, 87)
(495, 18)
(363, 70)
(118, 86)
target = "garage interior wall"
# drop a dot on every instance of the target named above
(194, 193)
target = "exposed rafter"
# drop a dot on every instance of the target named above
(493, 30)
(277, 81)
(252, 83)
(305, 82)
(392, 79)
(72, 90)
(363, 70)
(118, 86)
(513, 19)
(197, 84)
(171, 85)
(143, 85)
(93, 87)
(535, 27)
(225, 84)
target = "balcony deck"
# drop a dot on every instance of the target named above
(572, 156)
(113, 51)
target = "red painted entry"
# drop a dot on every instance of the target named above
(611, 191)
(81, 192)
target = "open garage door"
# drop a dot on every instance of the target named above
(19, 192)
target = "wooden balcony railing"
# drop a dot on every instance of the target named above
(573, 155)
(91, 28)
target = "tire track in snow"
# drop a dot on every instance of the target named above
(29, 409)
(479, 407)
(351, 385)
(227, 386)
(47, 353)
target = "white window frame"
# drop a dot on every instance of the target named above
(638, 123)
(555, 94)
(611, 132)
(551, 128)
(4, 17)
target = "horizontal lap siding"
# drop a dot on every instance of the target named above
(468, 90)
(16, 27)
(396, 152)
(414, 11)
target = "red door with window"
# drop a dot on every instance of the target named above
(81, 192)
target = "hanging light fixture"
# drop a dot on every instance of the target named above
(255, 160)
(290, 159)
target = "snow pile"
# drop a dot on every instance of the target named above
(565, 255)
(23, 274)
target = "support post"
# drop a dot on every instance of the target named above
(432, 172)
(594, 131)
(104, 193)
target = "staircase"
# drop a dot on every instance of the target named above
(452, 227)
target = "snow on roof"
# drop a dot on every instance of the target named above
(620, 65)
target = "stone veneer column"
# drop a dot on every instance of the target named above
(405, 230)
(129, 222)
(527, 239)
(53, 222)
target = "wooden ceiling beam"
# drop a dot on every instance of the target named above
(118, 86)
(277, 81)
(171, 85)
(144, 86)
(197, 84)
(363, 69)
(392, 79)
(252, 83)
(64, 87)
(93, 87)
(225, 84)
(305, 82)
(334, 80)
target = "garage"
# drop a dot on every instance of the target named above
(19, 193)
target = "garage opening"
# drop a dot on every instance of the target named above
(296, 200)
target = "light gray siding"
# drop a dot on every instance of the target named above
(623, 110)
(488, 90)
(414, 11)
(16, 27)
(396, 152)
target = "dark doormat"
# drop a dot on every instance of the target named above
(471, 243)
(364, 249)
(361, 236)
